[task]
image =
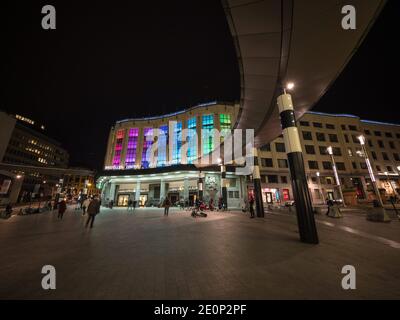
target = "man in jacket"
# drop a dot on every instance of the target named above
(93, 209)
(62, 207)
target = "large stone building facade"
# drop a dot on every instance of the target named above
(129, 174)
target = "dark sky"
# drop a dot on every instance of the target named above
(107, 62)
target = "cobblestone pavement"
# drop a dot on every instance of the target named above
(144, 255)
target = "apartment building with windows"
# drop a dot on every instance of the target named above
(318, 131)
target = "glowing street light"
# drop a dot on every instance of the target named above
(339, 184)
(290, 86)
(371, 172)
(319, 186)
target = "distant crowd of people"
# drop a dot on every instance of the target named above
(89, 206)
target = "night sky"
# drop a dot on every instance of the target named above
(107, 62)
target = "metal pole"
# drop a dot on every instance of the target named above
(257, 186)
(336, 176)
(320, 188)
(304, 209)
(224, 188)
(372, 176)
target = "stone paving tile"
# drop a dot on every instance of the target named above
(144, 255)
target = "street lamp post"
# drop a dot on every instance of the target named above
(381, 216)
(339, 184)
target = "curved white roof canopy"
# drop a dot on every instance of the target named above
(280, 41)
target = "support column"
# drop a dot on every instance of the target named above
(304, 209)
(186, 189)
(137, 191)
(200, 185)
(257, 186)
(223, 186)
(111, 195)
(162, 190)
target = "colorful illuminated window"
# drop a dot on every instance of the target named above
(162, 146)
(118, 147)
(177, 143)
(207, 138)
(192, 143)
(147, 142)
(225, 121)
(225, 124)
(133, 138)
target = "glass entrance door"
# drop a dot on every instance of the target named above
(142, 200)
(122, 200)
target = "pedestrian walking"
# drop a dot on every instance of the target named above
(166, 205)
(85, 205)
(251, 207)
(134, 204)
(92, 210)
(130, 202)
(62, 207)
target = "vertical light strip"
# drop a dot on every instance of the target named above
(192, 143)
(176, 154)
(207, 138)
(147, 132)
(130, 158)
(162, 146)
(118, 148)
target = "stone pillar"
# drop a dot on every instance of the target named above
(186, 189)
(162, 190)
(137, 191)
(200, 185)
(257, 186)
(111, 195)
(223, 187)
(304, 209)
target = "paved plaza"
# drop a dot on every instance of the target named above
(144, 255)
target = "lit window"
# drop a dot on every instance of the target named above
(192, 137)
(207, 132)
(177, 142)
(147, 142)
(118, 147)
(132, 147)
(162, 146)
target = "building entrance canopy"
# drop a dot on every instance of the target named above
(281, 41)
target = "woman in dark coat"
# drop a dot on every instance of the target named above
(62, 207)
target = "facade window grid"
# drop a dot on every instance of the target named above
(208, 139)
(133, 137)
(147, 132)
(118, 147)
(192, 143)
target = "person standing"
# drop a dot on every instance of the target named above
(129, 204)
(92, 210)
(166, 205)
(85, 205)
(251, 207)
(62, 207)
